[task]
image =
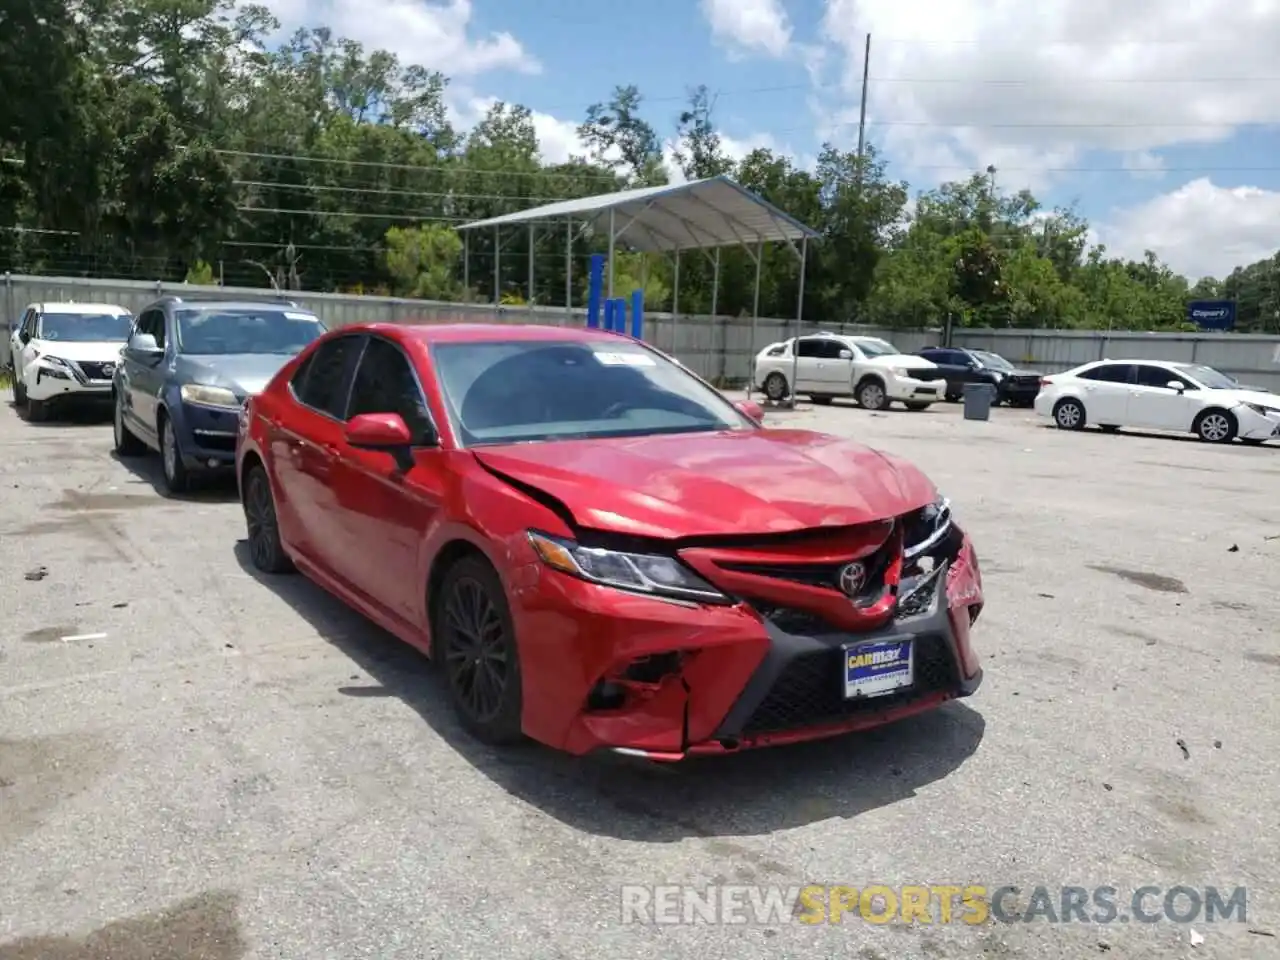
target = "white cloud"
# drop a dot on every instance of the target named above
(1200, 229)
(1046, 83)
(557, 139)
(434, 33)
(751, 26)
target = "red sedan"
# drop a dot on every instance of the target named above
(599, 549)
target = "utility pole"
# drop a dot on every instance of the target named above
(862, 117)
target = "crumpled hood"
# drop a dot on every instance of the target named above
(715, 484)
(242, 373)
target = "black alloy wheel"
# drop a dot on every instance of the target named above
(265, 548)
(476, 644)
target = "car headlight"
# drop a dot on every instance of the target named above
(926, 528)
(900, 371)
(638, 572)
(55, 367)
(1263, 411)
(209, 396)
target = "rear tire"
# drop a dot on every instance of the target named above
(775, 387)
(821, 399)
(1068, 414)
(1216, 426)
(473, 632)
(918, 407)
(127, 445)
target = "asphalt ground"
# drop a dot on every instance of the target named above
(196, 763)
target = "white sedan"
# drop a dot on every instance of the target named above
(872, 371)
(1159, 395)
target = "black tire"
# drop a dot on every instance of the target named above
(918, 407)
(775, 387)
(19, 391)
(474, 642)
(1216, 426)
(1068, 414)
(265, 549)
(871, 395)
(952, 398)
(127, 444)
(177, 479)
(821, 399)
(37, 410)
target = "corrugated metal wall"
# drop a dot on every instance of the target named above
(713, 346)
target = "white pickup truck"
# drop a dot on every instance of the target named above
(827, 365)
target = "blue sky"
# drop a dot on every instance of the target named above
(1161, 128)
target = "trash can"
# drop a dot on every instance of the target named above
(978, 398)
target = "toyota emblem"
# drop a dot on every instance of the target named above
(852, 578)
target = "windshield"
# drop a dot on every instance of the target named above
(871, 347)
(214, 331)
(1208, 377)
(993, 360)
(519, 391)
(86, 327)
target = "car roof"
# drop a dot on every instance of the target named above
(487, 332)
(73, 307)
(233, 305)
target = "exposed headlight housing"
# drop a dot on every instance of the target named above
(56, 368)
(1264, 411)
(652, 574)
(926, 528)
(207, 396)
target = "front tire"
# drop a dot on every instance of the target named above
(1069, 414)
(775, 387)
(176, 478)
(265, 548)
(127, 445)
(871, 395)
(19, 391)
(1216, 426)
(37, 410)
(477, 648)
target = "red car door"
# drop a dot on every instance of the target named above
(387, 501)
(304, 442)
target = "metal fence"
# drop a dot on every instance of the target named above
(716, 347)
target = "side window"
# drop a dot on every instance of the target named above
(28, 325)
(326, 379)
(937, 356)
(831, 349)
(778, 351)
(151, 322)
(299, 379)
(1109, 373)
(809, 347)
(1149, 376)
(385, 383)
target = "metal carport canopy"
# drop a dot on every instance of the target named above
(701, 214)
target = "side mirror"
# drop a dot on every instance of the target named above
(24, 337)
(750, 409)
(846, 354)
(145, 344)
(378, 431)
(1175, 385)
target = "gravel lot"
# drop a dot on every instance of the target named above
(225, 769)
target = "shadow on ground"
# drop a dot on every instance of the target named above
(739, 795)
(213, 487)
(68, 414)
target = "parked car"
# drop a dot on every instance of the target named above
(599, 549)
(872, 371)
(1159, 395)
(65, 352)
(1014, 386)
(189, 366)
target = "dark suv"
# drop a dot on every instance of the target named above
(1014, 386)
(188, 367)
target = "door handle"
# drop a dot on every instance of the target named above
(331, 449)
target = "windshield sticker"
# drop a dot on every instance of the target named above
(625, 359)
(298, 316)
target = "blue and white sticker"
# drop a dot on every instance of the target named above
(876, 669)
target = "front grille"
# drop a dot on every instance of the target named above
(215, 441)
(823, 575)
(98, 370)
(810, 691)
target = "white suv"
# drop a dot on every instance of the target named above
(872, 371)
(64, 351)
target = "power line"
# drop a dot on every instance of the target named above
(443, 167)
(390, 191)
